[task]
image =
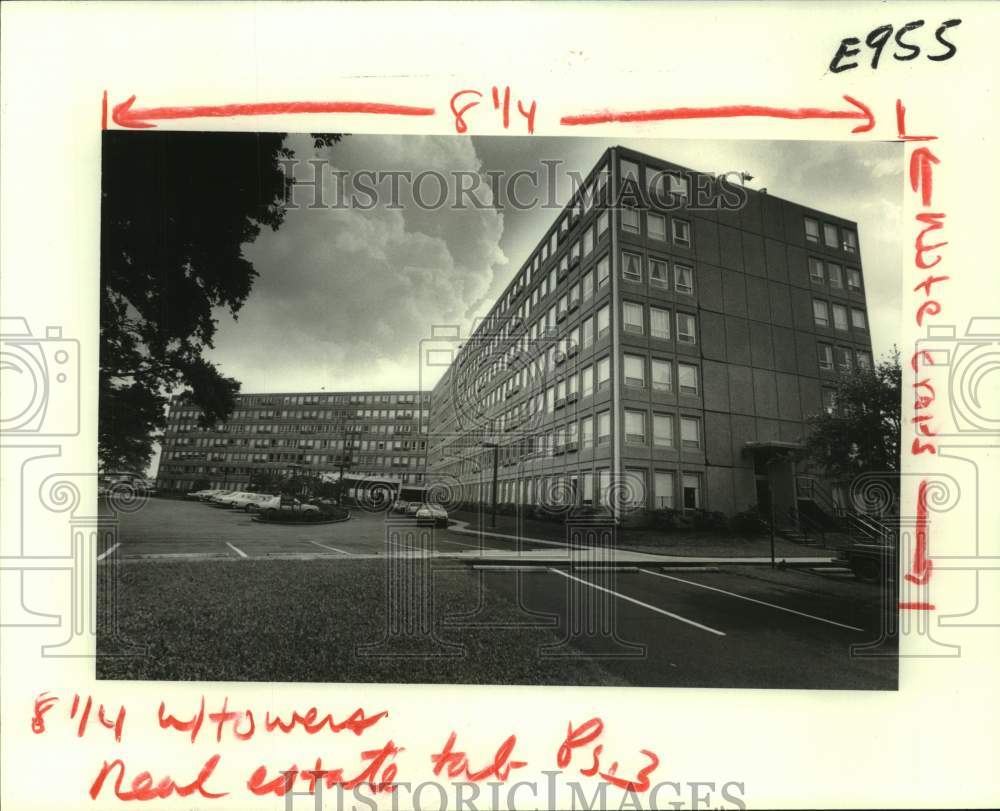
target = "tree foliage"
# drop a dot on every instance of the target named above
(177, 209)
(862, 434)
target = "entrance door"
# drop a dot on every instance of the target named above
(764, 498)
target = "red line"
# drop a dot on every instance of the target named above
(104, 111)
(726, 111)
(125, 114)
(918, 606)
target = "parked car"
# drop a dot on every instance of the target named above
(258, 501)
(208, 495)
(278, 504)
(432, 514)
(400, 506)
(198, 494)
(411, 509)
(225, 499)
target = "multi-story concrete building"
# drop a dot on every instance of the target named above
(661, 348)
(374, 434)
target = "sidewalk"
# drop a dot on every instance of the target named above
(687, 546)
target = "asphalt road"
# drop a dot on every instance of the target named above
(656, 625)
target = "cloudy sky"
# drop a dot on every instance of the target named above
(345, 295)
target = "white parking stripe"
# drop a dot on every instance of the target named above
(239, 552)
(331, 548)
(459, 543)
(753, 600)
(107, 552)
(625, 597)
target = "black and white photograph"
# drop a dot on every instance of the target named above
(499, 410)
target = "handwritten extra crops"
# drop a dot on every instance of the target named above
(377, 771)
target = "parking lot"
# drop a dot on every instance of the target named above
(524, 608)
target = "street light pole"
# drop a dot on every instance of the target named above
(493, 516)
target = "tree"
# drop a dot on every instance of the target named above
(177, 207)
(862, 433)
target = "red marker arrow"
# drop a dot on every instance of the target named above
(124, 115)
(863, 112)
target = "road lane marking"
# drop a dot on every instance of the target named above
(239, 552)
(625, 597)
(107, 552)
(331, 548)
(753, 600)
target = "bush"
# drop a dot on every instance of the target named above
(748, 522)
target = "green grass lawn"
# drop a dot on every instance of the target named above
(290, 620)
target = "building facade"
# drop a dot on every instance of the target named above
(376, 434)
(660, 349)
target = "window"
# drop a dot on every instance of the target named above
(552, 280)
(864, 359)
(656, 226)
(574, 295)
(836, 275)
(692, 491)
(683, 279)
(602, 223)
(850, 241)
(587, 382)
(604, 428)
(858, 319)
(630, 219)
(825, 353)
(661, 374)
(685, 328)
(603, 373)
(635, 488)
(839, 316)
(830, 236)
(663, 430)
(588, 332)
(812, 230)
(681, 231)
(663, 486)
(550, 399)
(690, 433)
(853, 279)
(587, 432)
(679, 186)
(603, 321)
(632, 317)
(588, 241)
(631, 267)
(635, 427)
(603, 269)
(588, 285)
(843, 359)
(635, 371)
(658, 273)
(587, 488)
(816, 275)
(604, 486)
(687, 378)
(659, 323)
(829, 397)
(821, 314)
(630, 170)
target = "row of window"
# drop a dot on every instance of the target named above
(595, 487)
(833, 236)
(822, 316)
(656, 226)
(845, 358)
(831, 274)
